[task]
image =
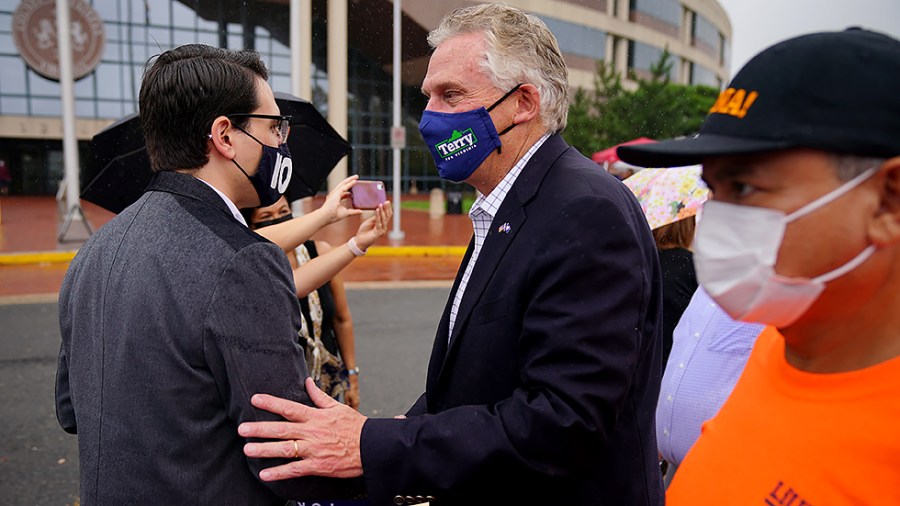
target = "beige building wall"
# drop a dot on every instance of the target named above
(40, 127)
(618, 28)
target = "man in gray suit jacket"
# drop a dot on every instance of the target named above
(174, 313)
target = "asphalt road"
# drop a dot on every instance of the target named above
(39, 462)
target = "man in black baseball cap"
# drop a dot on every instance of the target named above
(802, 154)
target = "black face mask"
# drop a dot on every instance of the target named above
(274, 221)
(274, 172)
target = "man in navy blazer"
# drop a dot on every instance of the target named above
(544, 377)
(174, 312)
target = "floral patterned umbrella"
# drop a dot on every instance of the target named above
(668, 195)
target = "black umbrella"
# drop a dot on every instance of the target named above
(119, 168)
(315, 146)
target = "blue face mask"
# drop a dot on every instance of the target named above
(461, 141)
(273, 174)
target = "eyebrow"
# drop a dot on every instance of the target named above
(729, 171)
(443, 85)
(736, 169)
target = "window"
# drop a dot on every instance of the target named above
(643, 56)
(702, 75)
(13, 105)
(46, 106)
(705, 36)
(12, 79)
(159, 13)
(137, 30)
(661, 15)
(576, 39)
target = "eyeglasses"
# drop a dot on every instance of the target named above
(281, 124)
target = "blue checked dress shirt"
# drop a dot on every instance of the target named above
(709, 352)
(482, 214)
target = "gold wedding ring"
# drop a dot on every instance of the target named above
(296, 449)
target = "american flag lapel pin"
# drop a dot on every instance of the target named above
(504, 229)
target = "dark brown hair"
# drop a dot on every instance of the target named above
(679, 234)
(184, 90)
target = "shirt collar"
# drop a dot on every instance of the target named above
(491, 203)
(234, 210)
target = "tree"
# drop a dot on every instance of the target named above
(609, 114)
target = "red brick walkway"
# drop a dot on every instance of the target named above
(31, 224)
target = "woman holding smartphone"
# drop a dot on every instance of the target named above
(327, 331)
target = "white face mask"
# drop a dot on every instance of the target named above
(735, 254)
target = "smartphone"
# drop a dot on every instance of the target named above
(368, 194)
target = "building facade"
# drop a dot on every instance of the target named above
(631, 34)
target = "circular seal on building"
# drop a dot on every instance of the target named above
(34, 32)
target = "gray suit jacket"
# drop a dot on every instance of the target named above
(172, 316)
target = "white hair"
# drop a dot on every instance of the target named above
(519, 49)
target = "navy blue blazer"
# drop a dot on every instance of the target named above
(172, 316)
(547, 391)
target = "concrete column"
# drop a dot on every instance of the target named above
(622, 57)
(687, 20)
(337, 79)
(608, 53)
(301, 69)
(623, 9)
(301, 48)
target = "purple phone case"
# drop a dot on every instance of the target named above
(368, 194)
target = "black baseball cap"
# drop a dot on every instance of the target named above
(833, 91)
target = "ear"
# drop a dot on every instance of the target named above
(884, 230)
(221, 139)
(528, 104)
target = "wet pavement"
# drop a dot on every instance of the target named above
(394, 330)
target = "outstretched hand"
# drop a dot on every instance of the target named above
(326, 437)
(334, 202)
(374, 227)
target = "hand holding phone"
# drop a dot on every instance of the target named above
(367, 194)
